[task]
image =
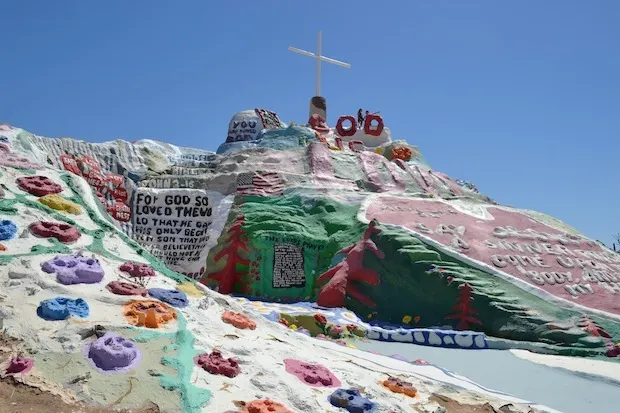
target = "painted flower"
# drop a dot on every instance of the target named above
(401, 152)
(283, 321)
(351, 327)
(336, 331)
(293, 327)
(320, 318)
(416, 319)
(379, 151)
(407, 319)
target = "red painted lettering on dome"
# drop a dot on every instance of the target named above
(567, 266)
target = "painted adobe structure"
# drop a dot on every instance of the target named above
(280, 214)
(91, 318)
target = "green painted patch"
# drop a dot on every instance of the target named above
(318, 227)
(192, 397)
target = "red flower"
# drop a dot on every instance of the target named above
(284, 322)
(351, 327)
(320, 318)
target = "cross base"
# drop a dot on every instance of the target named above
(318, 106)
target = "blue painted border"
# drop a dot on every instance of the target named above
(468, 340)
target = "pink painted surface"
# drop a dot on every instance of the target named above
(371, 171)
(314, 375)
(322, 167)
(566, 266)
(320, 162)
(418, 176)
(20, 365)
(447, 181)
(369, 162)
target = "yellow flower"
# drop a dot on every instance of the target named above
(379, 151)
(189, 288)
(351, 346)
(293, 327)
(407, 319)
(60, 204)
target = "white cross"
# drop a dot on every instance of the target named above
(319, 58)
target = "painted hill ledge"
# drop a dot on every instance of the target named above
(280, 214)
(91, 318)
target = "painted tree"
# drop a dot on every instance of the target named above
(236, 241)
(343, 276)
(463, 310)
(588, 325)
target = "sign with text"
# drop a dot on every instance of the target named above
(244, 126)
(288, 266)
(568, 266)
(179, 226)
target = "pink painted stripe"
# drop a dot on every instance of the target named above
(416, 174)
(369, 163)
(454, 187)
(371, 171)
(398, 180)
(320, 159)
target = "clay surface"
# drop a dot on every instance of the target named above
(74, 269)
(62, 232)
(352, 401)
(149, 313)
(400, 386)
(8, 229)
(175, 298)
(137, 270)
(61, 308)
(265, 406)
(14, 161)
(113, 353)
(58, 203)
(311, 374)
(38, 185)
(20, 365)
(238, 320)
(215, 363)
(125, 288)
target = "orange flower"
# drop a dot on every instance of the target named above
(401, 152)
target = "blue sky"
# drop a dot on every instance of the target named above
(521, 98)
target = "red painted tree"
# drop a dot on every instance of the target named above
(588, 325)
(463, 310)
(343, 276)
(592, 328)
(236, 241)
